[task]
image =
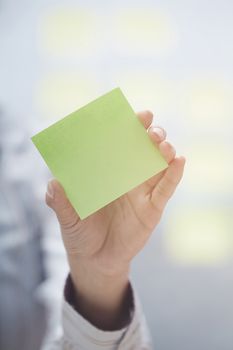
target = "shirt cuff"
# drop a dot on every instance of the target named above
(81, 334)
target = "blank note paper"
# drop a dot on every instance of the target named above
(99, 152)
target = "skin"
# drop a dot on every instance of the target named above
(101, 247)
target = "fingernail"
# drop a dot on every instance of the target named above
(50, 190)
(158, 132)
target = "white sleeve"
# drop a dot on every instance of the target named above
(79, 334)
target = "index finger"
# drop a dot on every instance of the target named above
(145, 118)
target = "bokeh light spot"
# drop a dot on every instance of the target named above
(199, 236)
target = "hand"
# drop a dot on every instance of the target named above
(104, 243)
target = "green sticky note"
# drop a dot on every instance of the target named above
(99, 152)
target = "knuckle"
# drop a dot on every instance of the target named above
(69, 222)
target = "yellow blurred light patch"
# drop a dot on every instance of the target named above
(209, 169)
(148, 89)
(199, 236)
(208, 102)
(70, 32)
(60, 94)
(144, 32)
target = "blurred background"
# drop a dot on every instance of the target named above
(174, 58)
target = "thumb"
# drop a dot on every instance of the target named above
(58, 201)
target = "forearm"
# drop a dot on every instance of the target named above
(101, 299)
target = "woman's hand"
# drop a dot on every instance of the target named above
(101, 247)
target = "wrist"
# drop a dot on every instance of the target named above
(89, 279)
(99, 296)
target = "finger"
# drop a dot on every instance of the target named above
(168, 183)
(145, 118)
(167, 151)
(157, 134)
(57, 200)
